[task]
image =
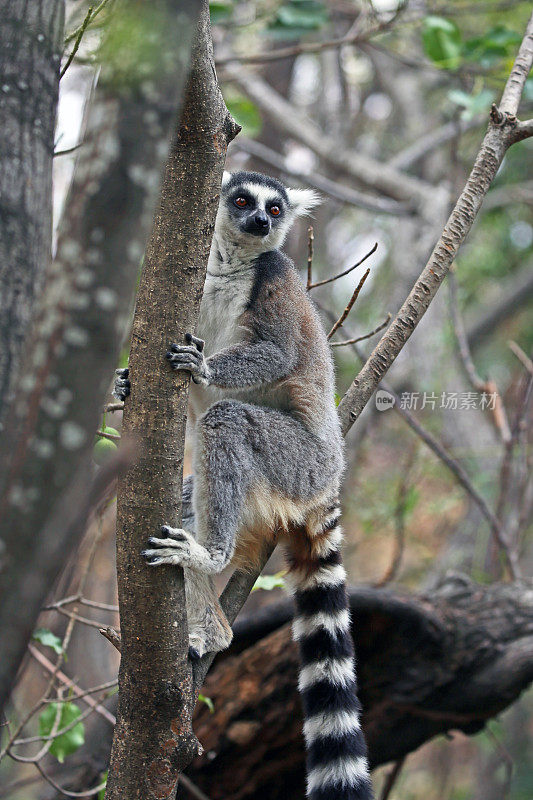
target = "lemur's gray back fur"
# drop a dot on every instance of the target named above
(268, 461)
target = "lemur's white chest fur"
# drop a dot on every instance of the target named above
(227, 290)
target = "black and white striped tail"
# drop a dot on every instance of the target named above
(337, 764)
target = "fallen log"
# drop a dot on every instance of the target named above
(427, 665)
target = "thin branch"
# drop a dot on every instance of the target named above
(521, 356)
(337, 191)
(52, 735)
(191, 787)
(310, 240)
(374, 174)
(61, 790)
(495, 144)
(112, 436)
(112, 636)
(346, 271)
(75, 33)
(76, 598)
(76, 690)
(68, 150)
(429, 142)
(76, 617)
(399, 522)
(114, 407)
(392, 777)
(365, 336)
(351, 38)
(350, 305)
(454, 467)
(461, 476)
(499, 415)
(79, 37)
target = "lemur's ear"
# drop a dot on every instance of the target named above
(302, 201)
(225, 178)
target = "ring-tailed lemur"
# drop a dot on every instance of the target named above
(268, 461)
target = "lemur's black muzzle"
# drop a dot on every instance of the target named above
(258, 224)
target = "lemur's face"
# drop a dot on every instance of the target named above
(257, 211)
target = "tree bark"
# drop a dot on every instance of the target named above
(31, 39)
(153, 738)
(427, 666)
(45, 453)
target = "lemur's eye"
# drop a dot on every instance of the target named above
(241, 202)
(275, 210)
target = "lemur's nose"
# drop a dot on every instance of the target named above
(261, 219)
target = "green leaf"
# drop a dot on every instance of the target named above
(220, 10)
(207, 700)
(442, 42)
(48, 639)
(67, 742)
(297, 17)
(473, 104)
(244, 112)
(269, 582)
(338, 398)
(411, 499)
(101, 793)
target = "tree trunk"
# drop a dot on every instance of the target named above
(45, 453)
(31, 41)
(427, 665)
(153, 739)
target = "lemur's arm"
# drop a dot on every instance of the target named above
(244, 365)
(272, 320)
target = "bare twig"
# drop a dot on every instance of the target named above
(310, 240)
(76, 690)
(111, 436)
(79, 37)
(345, 194)
(91, 623)
(499, 137)
(430, 141)
(114, 407)
(399, 522)
(499, 415)
(365, 336)
(353, 37)
(350, 305)
(192, 788)
(392, 777)
(67, 150)
(112, 636)
(346, 271)
(75, 33)
(76, 598)
(61, 790)
(521, 356)
(464, 480)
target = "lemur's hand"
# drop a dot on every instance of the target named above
(122, 384)
(190, 357)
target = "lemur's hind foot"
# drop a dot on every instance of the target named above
(209, 630)
(122, 384)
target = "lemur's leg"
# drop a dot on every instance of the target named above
(187, 509)
(224, 471)
(209, 630)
